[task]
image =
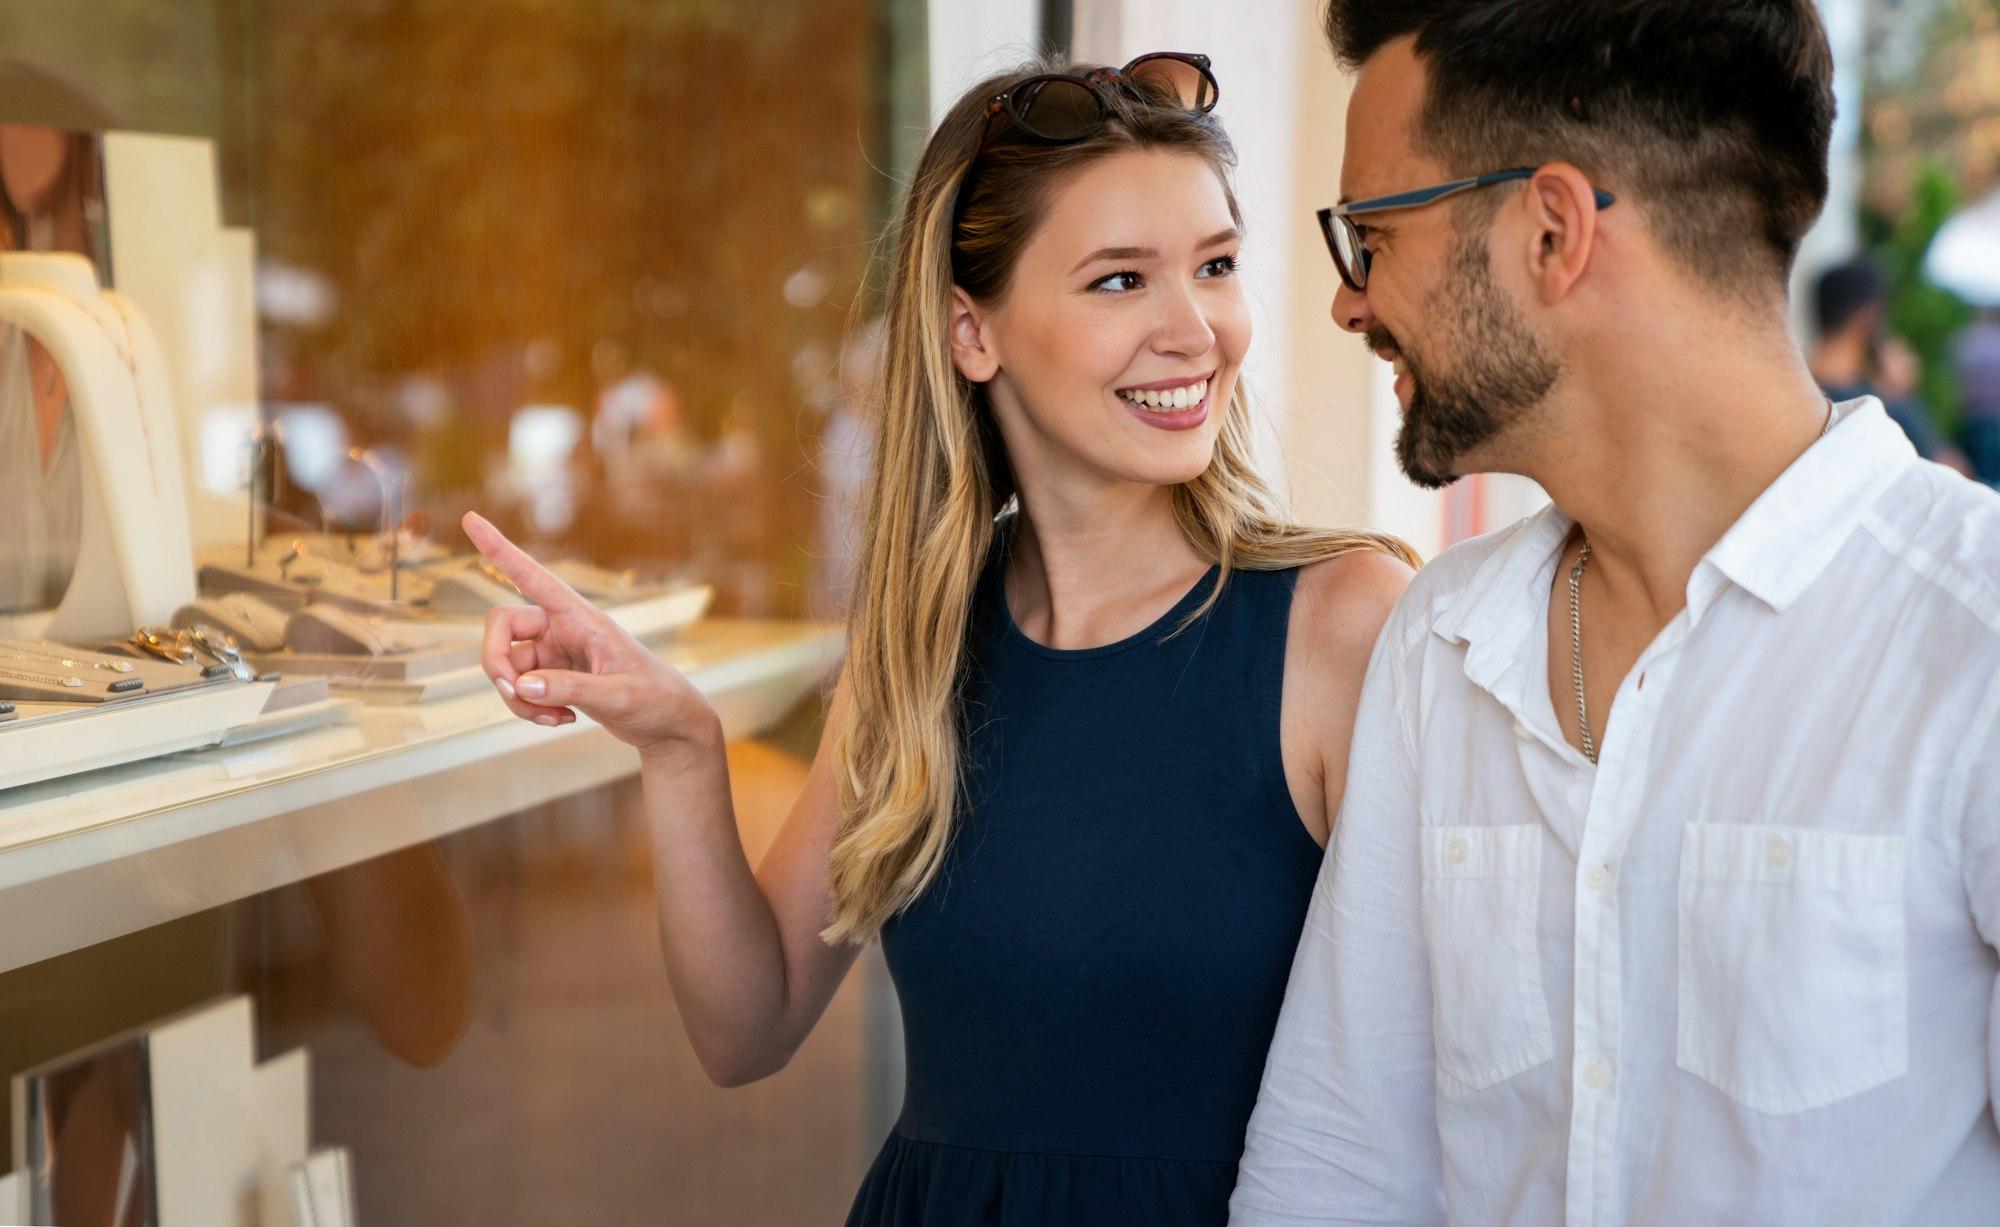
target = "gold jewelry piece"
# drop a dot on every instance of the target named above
(164, 644)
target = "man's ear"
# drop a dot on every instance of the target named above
(972, 346)
(1562, 229)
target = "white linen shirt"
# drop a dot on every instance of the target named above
(1743, 970)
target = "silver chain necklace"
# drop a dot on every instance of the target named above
(1576, 627)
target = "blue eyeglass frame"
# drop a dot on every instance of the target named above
(1339, 215)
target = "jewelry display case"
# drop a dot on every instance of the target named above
(289, 290)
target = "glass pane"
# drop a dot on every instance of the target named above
(599, 271)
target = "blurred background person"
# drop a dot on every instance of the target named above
(1855, 355)
(1978, 358)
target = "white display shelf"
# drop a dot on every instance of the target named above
(87, 858)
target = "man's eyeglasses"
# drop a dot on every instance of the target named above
(1343, 238)
(1061, 108)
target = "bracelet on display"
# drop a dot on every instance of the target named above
(163, 644)
(215, 654)
(247, 622)
(221, 649)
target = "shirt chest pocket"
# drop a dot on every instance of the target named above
(1793, 978)
(1481, 906)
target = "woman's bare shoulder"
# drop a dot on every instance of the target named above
(1340, 604)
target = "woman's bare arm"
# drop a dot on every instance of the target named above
(743, 951)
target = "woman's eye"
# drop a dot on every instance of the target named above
(1116, 283)
(1221, 266)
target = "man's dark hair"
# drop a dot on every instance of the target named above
(1845, 291)
(1712, 116)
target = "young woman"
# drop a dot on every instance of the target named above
(1093, 723)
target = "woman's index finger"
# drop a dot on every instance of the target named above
(535, 581)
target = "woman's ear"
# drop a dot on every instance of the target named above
(971, 344)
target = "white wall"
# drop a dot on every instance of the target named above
(969, 39)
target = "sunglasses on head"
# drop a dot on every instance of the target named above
(1062, 108)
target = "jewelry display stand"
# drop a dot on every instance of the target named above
(134, 560)
(651, 616)
(133, 552)
(434, 601)
(194, 279)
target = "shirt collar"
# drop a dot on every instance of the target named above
(1786, 538)
(1774, 551)
(1506, 599)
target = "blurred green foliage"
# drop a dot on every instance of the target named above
(1925, 315)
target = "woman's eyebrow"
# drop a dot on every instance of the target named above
(1150, 253)
(1116, 253)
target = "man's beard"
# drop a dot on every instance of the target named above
(1502, 372)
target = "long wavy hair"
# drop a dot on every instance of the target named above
(941, 478)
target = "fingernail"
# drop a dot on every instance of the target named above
(506, 687)
(550, 721)
(532, 686)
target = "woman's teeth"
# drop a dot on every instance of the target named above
(1173, 400)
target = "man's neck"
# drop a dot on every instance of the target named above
(1655, 465)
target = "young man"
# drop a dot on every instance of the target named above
(1666, 886)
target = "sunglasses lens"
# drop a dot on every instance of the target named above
(1057, 109)
(1174, 82)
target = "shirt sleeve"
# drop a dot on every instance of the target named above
(1979, 844)
(1345, 1128)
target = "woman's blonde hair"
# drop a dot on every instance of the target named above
(941, 477)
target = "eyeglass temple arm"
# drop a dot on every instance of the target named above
(1428, 195)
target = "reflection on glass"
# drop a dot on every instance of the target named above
(504, 228)
(90, 1138)
(41, 490)
(51, 199)
(592, 268)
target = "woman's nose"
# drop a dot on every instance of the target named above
(1185, 330)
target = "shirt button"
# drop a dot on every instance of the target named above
(1781, 854)
(1523, 731)
(1597, 1075)
(1599, 877)
(1455, 852)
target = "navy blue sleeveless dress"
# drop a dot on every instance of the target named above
(1089, 986)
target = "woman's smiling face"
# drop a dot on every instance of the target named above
(1116, 347)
